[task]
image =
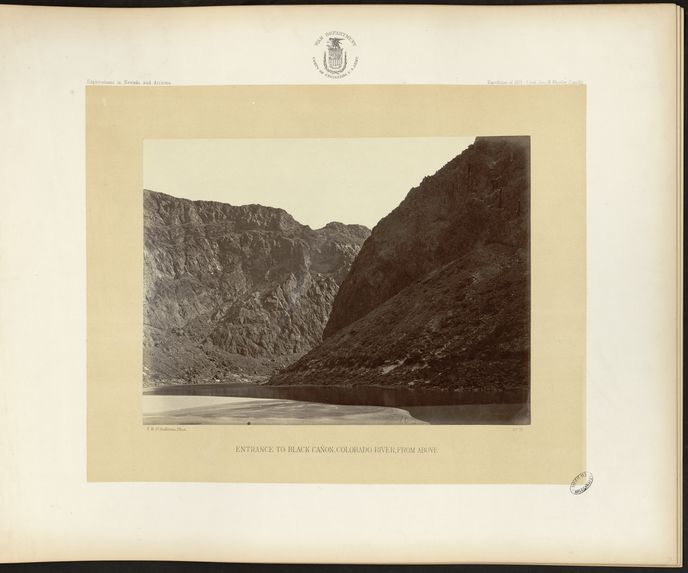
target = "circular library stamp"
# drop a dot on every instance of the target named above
(581, 483)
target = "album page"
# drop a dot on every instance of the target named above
(410, 272)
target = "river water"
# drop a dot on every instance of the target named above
(433, 406)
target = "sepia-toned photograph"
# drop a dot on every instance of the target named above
(337, 281)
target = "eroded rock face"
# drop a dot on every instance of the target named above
(439, 295)
(232, 293)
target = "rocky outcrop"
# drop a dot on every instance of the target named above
(439, 295)
(232, 293)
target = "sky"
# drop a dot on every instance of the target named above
(315, 180)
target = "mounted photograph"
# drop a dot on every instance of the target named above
(336, 281)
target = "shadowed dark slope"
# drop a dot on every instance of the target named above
(439, 295)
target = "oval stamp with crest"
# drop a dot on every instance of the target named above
(335, 54)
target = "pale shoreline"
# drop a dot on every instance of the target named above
(214, 410)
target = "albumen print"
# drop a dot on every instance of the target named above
(337, 281)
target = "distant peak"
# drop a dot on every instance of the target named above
(337, 226)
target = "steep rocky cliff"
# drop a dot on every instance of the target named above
(232, 293)
(439, 295)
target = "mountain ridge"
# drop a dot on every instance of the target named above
(234, 292)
